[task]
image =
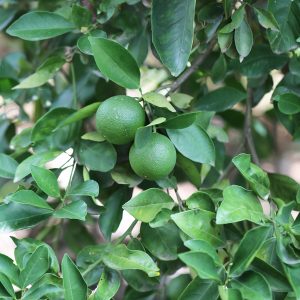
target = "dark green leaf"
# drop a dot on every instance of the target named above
(76, 210)
(81, 16)
(172, 32)
(146, 205)
(115, 62)
(266, 19)
(9, 269)
(97, 156)
(15, 216)
(8, 166)
(293, 276)
(84, 44)
(243, 39)
(220, 99)
(39, 25)
(194, 143)
(74, 286)
(219, 69)
(4, 281)
(289, 104)
(46, 181)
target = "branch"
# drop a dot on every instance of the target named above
(194, 67)
(248, 127)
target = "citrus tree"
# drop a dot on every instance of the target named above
(142, 96)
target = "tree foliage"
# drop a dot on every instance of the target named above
(197, 68)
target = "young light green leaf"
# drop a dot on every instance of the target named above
(87, 188)
(253, 286)
(239, 204)
(197, 224)
(146, 205)
(75, 287)
(121, 258)
(37, 265)
(266, 19)
(38, 159)
(108, 286)
(243, 39)
(172, 32)
(115, 62)
(158, 100)
(93, 136)
(8, 166)
(44, 72)
(202, 263)
(181, 100)
(157, 121)
(76, 210)
(46, 181)
(28, 197)
(248, 248)
(194, 143)
(15, 216)
(39, 25)
(257, 178)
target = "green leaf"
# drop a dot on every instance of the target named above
(97, 156)
(9, 269)
(81, 16)
(84, 44)
(43, 73)
(36, 267)
(172, 32)
(200, 289)
(202, 263)
(252, 286)
(93, 136)
(248, 248)
(239, 204)
(225, 41)
(75, 287)
(46, 181)
(76, 210)
(48, 122)
(220, 99)
(5, 282)
(266, 19)
(229, 293)
(289, 103)
(28, 197)
(194, 143)
(47, 285)
(110, 219)
(176, 286)
(243, 39)
(115, 62)
(236, 20)
(121, 258)
(158, 100)
(38, 159)
(146, 205)
(79, 115)
(108, 286)
(181, 100)
(293, 276)
(87, 188)
(16, 216)
(6, 15)
(163, 242)
(8, 166)
(139, 46)
(39, 25)
(219, 69)
(123, 174)
(257, 178)
(22, 139)
(197, 224)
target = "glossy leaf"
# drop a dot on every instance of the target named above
(238, 205)
(9, 269)
(228, 95)
(74, 285)
(266, 19)
(289, 104)
(115, 62)
(248, 248)
(121, 258)
(76, 210)
(8, 166)
(39, 25)
(172, 32)
(46, 181)
(194, 143)
(146, 205)
(158, 100)
(243, 39)
(86, 188)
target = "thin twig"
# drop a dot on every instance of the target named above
(193, 68)
(179, 200)
(126, 233)
(248, 127)
(75, 102)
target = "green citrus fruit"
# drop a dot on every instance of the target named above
(118, 118)
(154, 160)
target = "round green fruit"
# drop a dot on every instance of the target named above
(118, 118)
(155, 160)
